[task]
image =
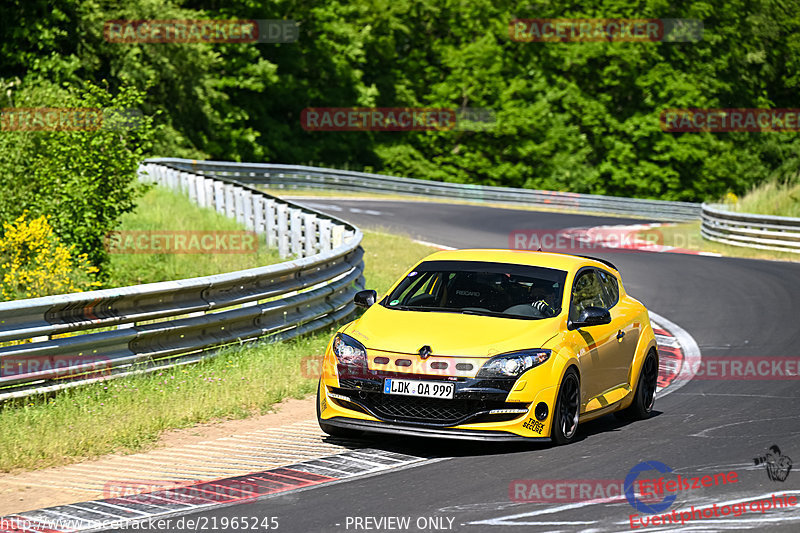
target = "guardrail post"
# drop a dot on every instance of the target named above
(259, 222)
(271, 226)
(283, 230)
(172, 179)
(202, 189)
(183, 179)
(191, 181)
(239, 201)
(219, 197)
(161, 175)
(296, 231)
(338, 236)
(208, 185)
(325, 235)
(230, 202)
(249, 223)
(310, 231)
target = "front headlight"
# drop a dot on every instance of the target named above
(349, 351)
(513, 364)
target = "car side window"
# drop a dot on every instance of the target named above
(587, 291)
(610, 289)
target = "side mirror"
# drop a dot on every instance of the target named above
(592, 316)
(365, 299)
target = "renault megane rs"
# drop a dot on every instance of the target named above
(491, 345)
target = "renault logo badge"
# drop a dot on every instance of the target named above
(425, 351)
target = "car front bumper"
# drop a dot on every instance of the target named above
(418, 431)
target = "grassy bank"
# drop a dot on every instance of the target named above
(772, 198)
(129, 414)
(160, 210)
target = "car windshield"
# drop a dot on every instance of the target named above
(483, 288)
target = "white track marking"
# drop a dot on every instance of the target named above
(434, 245)
(702, 433)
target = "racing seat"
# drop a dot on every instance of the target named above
(466, 292)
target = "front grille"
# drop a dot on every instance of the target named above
(427, 410)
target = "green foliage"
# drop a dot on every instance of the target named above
(84, 180)
(570, 116)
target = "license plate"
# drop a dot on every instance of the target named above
(427, 389)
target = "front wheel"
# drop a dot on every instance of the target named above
(565, 418)
(645, 395)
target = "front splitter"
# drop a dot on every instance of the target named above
(417, 431)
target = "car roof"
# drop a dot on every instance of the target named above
(559, 261)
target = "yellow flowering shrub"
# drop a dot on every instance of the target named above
(34, 262)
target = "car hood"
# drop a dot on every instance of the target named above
(448, 334)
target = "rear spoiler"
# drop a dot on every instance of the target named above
(604, 261)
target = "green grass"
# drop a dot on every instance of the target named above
(772, 198)
(129, 414)
(162, 210)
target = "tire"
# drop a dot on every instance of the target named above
(333, 431)
(567, 411)
(645, 394)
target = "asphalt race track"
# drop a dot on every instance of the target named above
(732, 307)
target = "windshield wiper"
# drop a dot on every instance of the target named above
(496, 314)
(426, 309)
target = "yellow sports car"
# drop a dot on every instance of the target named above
(491, 345)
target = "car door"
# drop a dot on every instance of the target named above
(626, 332)
(594, 345)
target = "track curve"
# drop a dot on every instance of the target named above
(732, 307)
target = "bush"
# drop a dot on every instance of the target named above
(36, 263)
(83, 180)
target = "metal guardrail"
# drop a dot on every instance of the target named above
(143, 328)
(293, 176)
(765, 232)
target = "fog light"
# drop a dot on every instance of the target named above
(541, 411)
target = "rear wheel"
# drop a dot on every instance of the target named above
(645, 395)
(565, 418)
(333, 431)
